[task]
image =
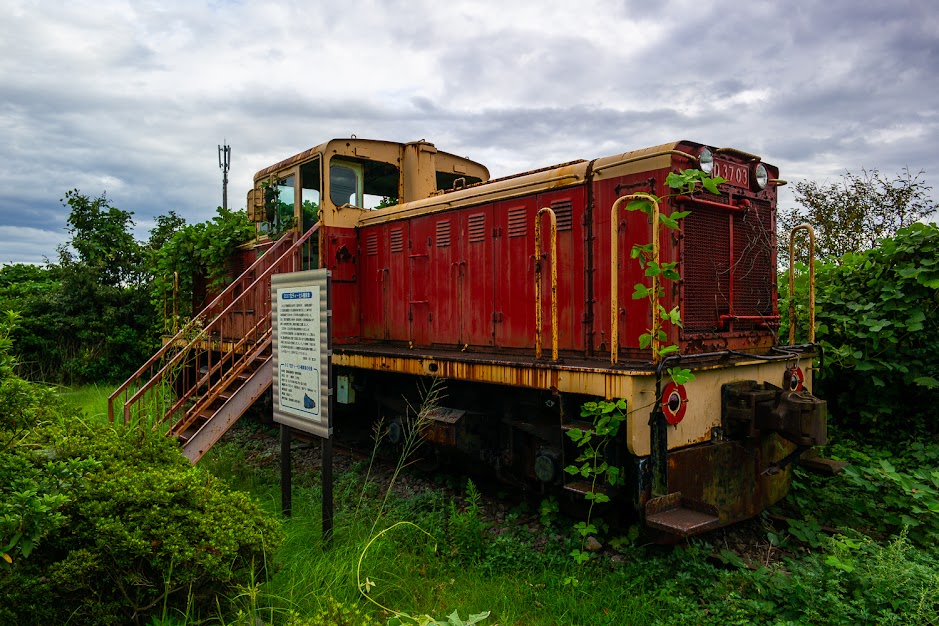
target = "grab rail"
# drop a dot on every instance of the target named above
(554, 284)
(614, 275)
(214, 330)
(792, 282)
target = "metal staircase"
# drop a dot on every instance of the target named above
(205, 378)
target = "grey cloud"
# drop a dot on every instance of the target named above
(814, 87)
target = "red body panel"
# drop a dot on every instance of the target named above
(464, 279)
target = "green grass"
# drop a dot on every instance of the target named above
(880, 570)
(92, 399)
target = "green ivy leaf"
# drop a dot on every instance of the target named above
(668, 221)
(927, 381)
(640, 205)
(711, 184)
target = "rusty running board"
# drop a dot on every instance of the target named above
(680, 516)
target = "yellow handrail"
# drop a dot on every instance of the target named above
(792, 300)
(614, 274)
(554, 283)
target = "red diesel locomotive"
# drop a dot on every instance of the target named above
(518, 293)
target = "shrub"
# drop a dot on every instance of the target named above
(138, 530)
(148, 530)
(878, 319)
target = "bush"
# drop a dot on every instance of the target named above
(878, 319)
(142, 532)
(108, 524)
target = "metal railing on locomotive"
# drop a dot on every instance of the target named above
(614, 275)
(206, 347)
(554, 284)
(792, 299)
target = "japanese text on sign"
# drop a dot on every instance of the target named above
(298, 333)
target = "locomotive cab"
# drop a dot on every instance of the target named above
(339, 181)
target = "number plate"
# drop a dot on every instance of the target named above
(737, 175)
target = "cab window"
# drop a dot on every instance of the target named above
(345, 183)
(363, 183)
(310, 184)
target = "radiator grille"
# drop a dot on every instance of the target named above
(371, 244)
(753, 264)
(720, 280)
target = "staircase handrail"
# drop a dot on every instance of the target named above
(271, 258)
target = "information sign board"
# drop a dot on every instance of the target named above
(301, 313)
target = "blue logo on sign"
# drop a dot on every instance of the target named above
(296, 295)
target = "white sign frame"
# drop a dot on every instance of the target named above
(301, 314)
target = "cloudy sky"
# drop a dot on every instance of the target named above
(132, 98)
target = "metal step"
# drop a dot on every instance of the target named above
(681, 516)
(583, 488)
(584, 426)
(197, 441)
(826, 467)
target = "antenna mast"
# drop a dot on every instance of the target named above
(224, 160)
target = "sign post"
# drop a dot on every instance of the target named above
(303, 394)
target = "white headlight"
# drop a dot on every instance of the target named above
(706, 161)
(760, 176)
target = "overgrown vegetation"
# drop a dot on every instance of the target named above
(202, 250)
(104, 524)
(97, 312)
(878, 319)
(842, 559)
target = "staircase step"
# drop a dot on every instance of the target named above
(583, 487)
(680, 516)
(581, 425)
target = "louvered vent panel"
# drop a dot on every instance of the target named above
(518, 224)
(397, 240)
(371, 245)
(443, 234)
(563, 211)
(476, 227)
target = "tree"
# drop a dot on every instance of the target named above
(102, 238)
(100, 316)
(855, 214)
(166, 226)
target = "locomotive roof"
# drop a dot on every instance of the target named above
(534, 181)
(354, 146)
